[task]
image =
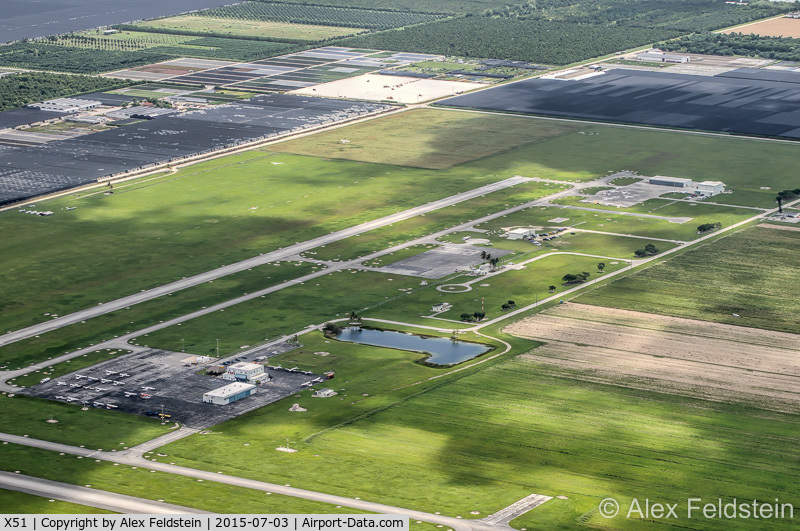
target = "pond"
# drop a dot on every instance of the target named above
(442, 350)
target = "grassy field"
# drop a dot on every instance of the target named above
(332, 296)
(140, 482)
(21, 503)
(486, 440)
(556, 149)
(105, 327)
(253, 28)
(403, 231)
(202, 217)
(94, 428)
(749, 273)
(371, 294)
(523, 286)
(427, 138)
(625, 224)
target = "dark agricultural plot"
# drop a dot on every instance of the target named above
(743, 105)
(26, 172)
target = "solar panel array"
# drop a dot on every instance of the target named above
(28, 171)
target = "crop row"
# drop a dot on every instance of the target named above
(319, 15)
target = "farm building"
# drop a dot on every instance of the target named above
(244, 372)
(675, 182)
(520, 234)
(661, 57)
(709, 188)
(66, 105)
(229, 393)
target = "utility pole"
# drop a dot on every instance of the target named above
(218, 348)
(183, 346)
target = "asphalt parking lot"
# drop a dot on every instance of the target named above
(438, 263)
(173, 386)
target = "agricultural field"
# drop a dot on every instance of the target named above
(420, 6)
(561, 150)
(517, 439)
(776, 27)
(429, 138)
(92, 54)
(345, 17)
(646, 351)
(738, 43)
(740, 279)
(242, 27)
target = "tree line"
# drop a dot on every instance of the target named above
(17, 90)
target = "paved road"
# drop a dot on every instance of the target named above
(280, 254)
(110, 501)
(134, 458)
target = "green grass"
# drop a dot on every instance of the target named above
(370, 294)
(94, 428)
(198, 219)
(403, 231)
(66, 367)
(486, 440)
(140, 482)
(624, 181)
(332, 296)
(603, 244)
(749, 273)
(21, 503)
(627, 224)
(557, 150)
(108, 326)
(522, 286)
(431, 138)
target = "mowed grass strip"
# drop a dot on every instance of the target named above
(114, 324)
(22, 503)
(746, 279)
(93, 428)
(157, 230)
(158, 486)
(416, 227)
(487, 440)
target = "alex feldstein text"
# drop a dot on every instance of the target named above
(178, 522)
